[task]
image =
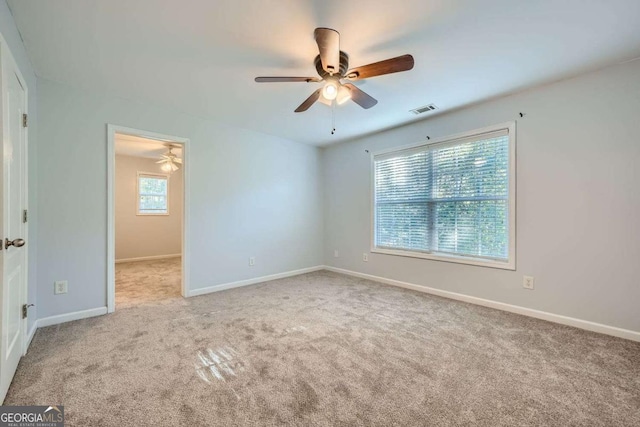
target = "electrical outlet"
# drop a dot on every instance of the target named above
(252, 261)
(336, 254)
(60, 287)
(365, 257)
(527, 282)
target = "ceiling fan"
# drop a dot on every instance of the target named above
(169, 161)
(332, 66)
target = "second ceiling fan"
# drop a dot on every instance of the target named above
(169, 162)
(332, 66)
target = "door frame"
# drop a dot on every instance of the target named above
(111, 225)
(8, 63)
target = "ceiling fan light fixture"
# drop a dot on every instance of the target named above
(330, 90)
(169, 162)
(325, 101)
(344, 94)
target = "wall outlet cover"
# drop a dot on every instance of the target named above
(527, 282)
(60, 287)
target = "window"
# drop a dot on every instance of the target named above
(452, 200)
(153, 194)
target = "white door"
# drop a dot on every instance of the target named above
(13, 253)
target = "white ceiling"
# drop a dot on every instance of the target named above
(128, 145)
(201, 56)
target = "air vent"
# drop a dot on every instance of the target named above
(424, 109)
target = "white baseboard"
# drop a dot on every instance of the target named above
(247, 282)
(148, 258)
(30, 335)
(68, 317)
(551, 317)
(555, 318)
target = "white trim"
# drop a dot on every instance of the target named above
(147, 258)
(111, 220)
(550, 317)
(510, 264)
(111, 244)
(69, 317)
(247, 282)
(30, 335)
(437, 256)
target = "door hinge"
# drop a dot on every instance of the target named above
(25, 216)
(25, 309)
(24, 120)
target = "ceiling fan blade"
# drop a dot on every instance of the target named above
(388, 66)
(161, 161)
(177, 160)
(286, 79)
(309, 101)
(329, 46)
(359, 97)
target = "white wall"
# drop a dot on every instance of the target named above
(139, 236)
(13, 39)
(251, 195)
(578, 203)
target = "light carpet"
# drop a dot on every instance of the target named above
(325, 349)
(148, 281)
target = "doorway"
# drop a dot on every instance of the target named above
(147, 217)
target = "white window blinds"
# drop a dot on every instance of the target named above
(448, 198)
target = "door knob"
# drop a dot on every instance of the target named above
(17, 243)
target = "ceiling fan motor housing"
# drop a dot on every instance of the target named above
(344, 65)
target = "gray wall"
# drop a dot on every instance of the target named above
(251, 195)
(12, 37)
(578, 203)
(139, 236)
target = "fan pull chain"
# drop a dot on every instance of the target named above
(333, 117)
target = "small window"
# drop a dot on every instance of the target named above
(153, 194)
(452, 200)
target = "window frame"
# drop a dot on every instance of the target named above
(151, 175)
(510, 264)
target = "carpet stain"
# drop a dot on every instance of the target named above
(128, 347)
(91, 368)
(306, 399)
(266, 328)
(294, 329)
(221, 364)
(187, 414)
(342, 389)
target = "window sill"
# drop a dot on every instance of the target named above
(503, 265)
